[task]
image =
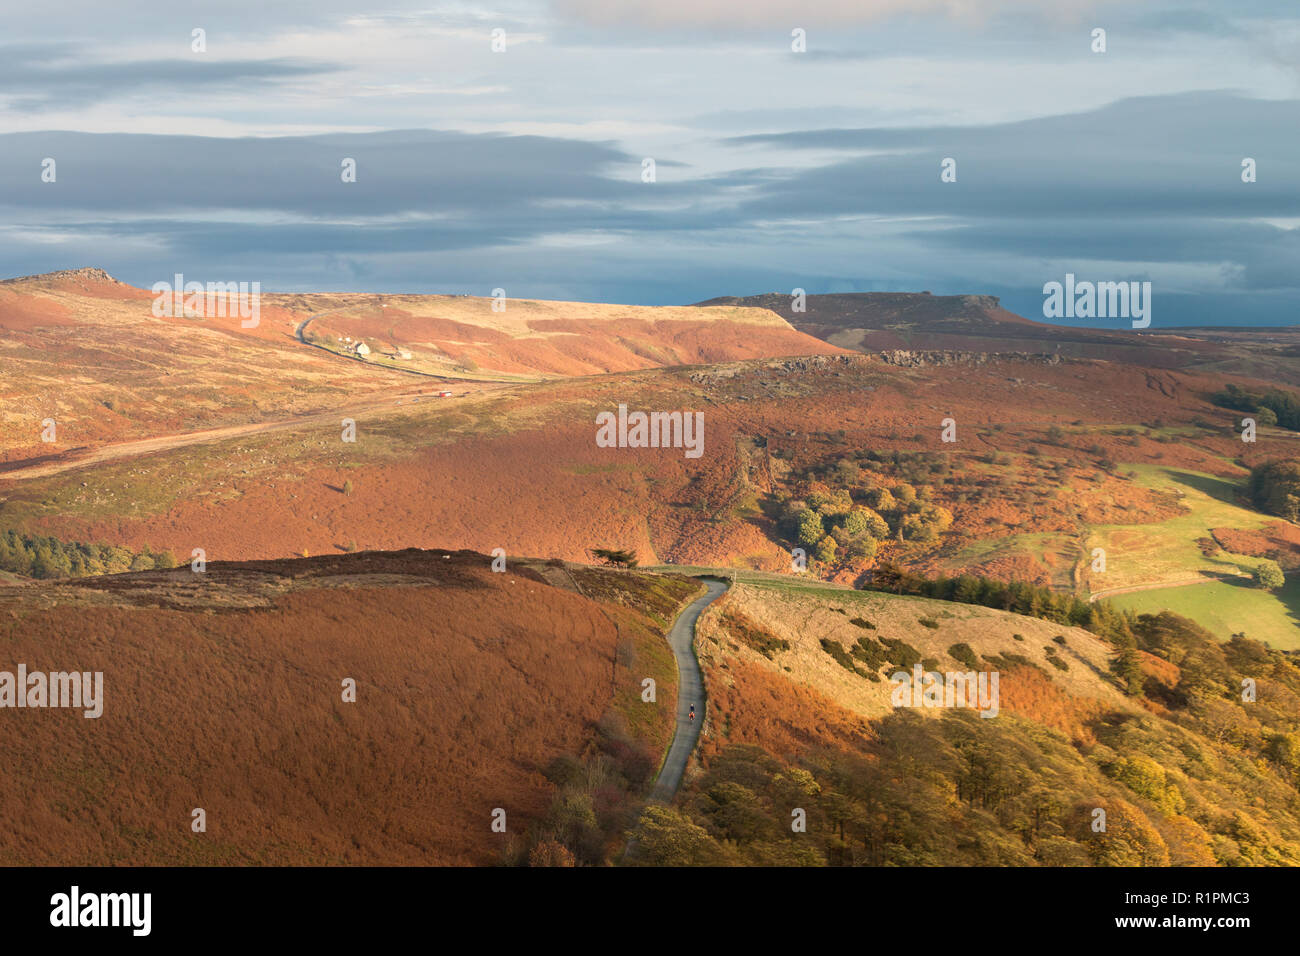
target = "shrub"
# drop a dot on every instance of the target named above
(836, 650)
(964, 654)
(753, 634)
(901, 654)
(862, 521)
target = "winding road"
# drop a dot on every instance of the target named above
(690, 690)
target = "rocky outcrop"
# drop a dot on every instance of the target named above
(912, 358)
(88, 274)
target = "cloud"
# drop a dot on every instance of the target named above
(34, 77)
(1146, 187)
(787, 14)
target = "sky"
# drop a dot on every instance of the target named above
(525, 168)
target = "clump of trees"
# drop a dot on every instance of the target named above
(851, 523)
(41, 556)
(1275, 488)
(1019, 597)
(1272, 407)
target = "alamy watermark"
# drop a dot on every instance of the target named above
(922, 688)
(1100, 300)
(194, 300)
(75, 908)
(651, 430)
(75, 689)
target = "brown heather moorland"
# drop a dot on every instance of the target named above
(223, 691)
(85, 350)
(521, 690)
(1045, 454)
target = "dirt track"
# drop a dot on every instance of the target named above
(83, 457)
(1133, 588)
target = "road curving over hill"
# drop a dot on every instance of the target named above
(690, 690)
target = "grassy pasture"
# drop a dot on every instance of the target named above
(1228, 607)
(1167, 551)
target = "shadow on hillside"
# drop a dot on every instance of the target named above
(1288, 594)
(1220, 489)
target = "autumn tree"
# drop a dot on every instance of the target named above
(1268, 575)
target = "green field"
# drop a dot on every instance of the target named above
(1167, 551)
(1227, 608)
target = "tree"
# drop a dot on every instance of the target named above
(551, 853)
(811, 529)
(855, 522)
(614, 557)
(1265, 416)
(1127, 666)
(825, 552)
(881, 499)
(667, 837)
(347, 487)
(736, 813)
(864, 547)
(1268, 575)
(1128, 840)
(1275, 488)
(1147, 779)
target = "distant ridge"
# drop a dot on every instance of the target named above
(88, 273)
(877, 310)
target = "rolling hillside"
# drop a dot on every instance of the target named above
(85, 351)
(805, 761)
(877, 321)
(1052, 460)
(226, 691)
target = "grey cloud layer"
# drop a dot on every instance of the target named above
(1148, 182)
(753, 192)
(39, 76)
